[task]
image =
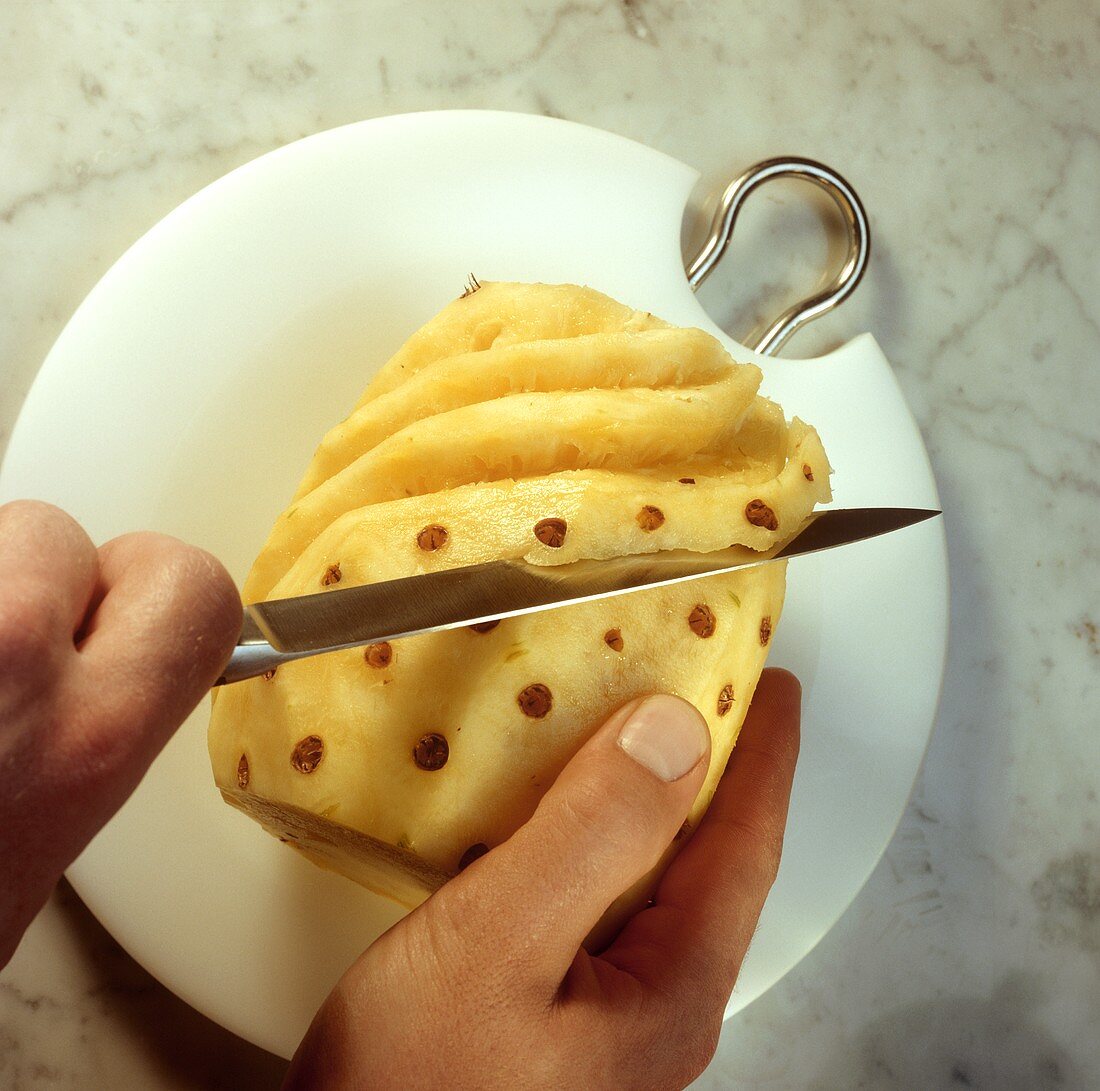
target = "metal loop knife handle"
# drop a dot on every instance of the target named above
(837, 290)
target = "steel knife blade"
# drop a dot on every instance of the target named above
(281, 630)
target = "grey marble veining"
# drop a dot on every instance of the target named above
(972, 957)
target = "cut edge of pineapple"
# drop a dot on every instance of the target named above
(389, 870)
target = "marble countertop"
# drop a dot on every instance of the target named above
(972, 956)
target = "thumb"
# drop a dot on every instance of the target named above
(605, 822)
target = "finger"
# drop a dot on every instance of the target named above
(605, 822)
(48, 569)
(167, 621)
(690, 944)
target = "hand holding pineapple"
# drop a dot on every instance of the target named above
(487, 984)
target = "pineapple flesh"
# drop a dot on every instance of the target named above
(544, 422)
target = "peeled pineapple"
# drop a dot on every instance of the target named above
(546, 422)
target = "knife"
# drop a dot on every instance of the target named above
(282, 630)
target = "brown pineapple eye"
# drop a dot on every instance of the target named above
(535, 700)
(760, 515)
(432, 537)
(551, 532)
(702, 621)
(725, 699)
(378, 656)
(431, 752)
(307, 755)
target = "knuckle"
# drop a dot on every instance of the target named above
(584, 812)
(201, 575)
(784, 680)
(697, 1042)
(33, 523)
(769, 853)
(440, 937)
(674, 1048)
(700, 1043)
(218, 599)
(29, 647)
(788, 743)
(590, 813)
(30, 511)
(609, 819)
(191, 584)
(765, 842)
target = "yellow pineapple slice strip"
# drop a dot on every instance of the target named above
(650, 359)
(499, 314)
(515, 436)
(603, 512)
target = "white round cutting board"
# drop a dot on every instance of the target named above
(189, 390)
